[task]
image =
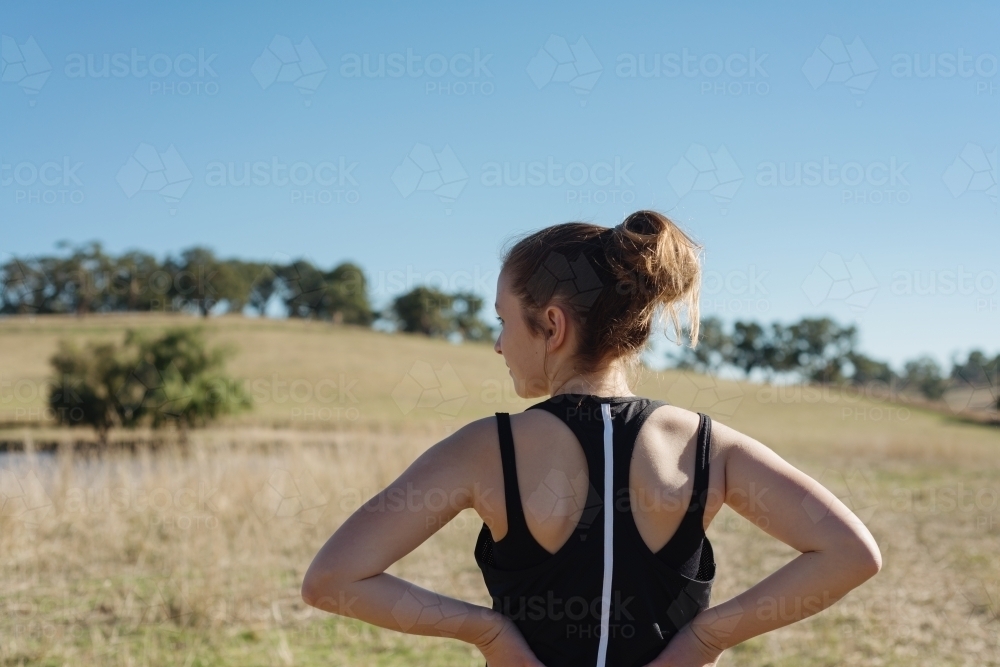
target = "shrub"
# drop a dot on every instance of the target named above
(172, 379)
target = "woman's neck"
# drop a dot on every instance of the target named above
(610, 383)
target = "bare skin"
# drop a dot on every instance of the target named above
(347, 575)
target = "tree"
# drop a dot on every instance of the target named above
(137, 282)
(977, 370)
(169, 379)
(816, 348)
(26, 287)
(465, 315)
(264, 281)
(346, 299)
(753, 346)
(866, 370)
(200, 280)
(424, 310)
(303, 288)
(231, 283)
(924, 375)
(714, 348)
(81, 279)
(83, 390)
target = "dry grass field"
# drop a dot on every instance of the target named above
(195, 557)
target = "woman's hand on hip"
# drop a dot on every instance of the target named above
(507, 648)
(686, 649)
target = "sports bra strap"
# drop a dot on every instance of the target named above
(516, 524)
(699, 494)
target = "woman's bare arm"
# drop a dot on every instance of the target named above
(838, 553)
(347, 576)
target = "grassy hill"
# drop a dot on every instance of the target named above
(314, 376)
(196, 558)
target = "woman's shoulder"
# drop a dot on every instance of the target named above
(674, 419)
(676, 423)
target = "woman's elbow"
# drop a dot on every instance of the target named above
(865, 556)
(872, 561)
(310, 590)
(320, 589)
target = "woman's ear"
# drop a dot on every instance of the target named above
(556, 323)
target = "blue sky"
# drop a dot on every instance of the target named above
(887, 112)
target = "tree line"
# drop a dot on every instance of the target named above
(86, 279)
(819, 350)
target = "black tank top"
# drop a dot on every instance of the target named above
(604, 598)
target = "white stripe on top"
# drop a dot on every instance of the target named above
(602, 650)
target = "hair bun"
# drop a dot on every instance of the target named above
(655, 261)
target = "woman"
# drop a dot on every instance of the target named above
(574, 580)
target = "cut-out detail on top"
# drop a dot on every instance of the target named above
(685, 551)
(659, 599)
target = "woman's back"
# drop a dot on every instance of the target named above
(599, 503)
(551, 567)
